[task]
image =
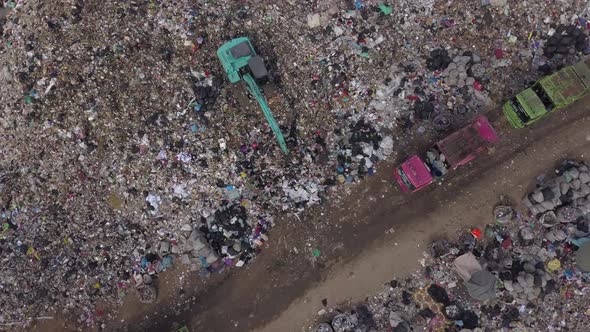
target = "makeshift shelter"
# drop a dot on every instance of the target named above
(466, 265)
(482, 285)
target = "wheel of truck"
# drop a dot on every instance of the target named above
(461, 110)
(461, 116)
(441, 122)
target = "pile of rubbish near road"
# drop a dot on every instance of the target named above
(522, 272)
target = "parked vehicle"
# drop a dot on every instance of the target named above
(551, 93)
(457, 149)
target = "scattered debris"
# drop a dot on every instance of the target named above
(125, 151)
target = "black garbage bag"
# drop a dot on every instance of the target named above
(423, 110)
(439, 60)
(545, 69)
(550, 287)
(365, 316)
(427, 313)
(470, 320)
(510, 315)
(406, 298)
(491, 311)
(438, 294)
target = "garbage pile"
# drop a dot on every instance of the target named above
(565, 40)
(525, 272)
(458, 73)
(125, 150)
(563, 199)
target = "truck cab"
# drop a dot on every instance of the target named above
(413, 174)
(526, 108)
(459, 148)
(553, 92)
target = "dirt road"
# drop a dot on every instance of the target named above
(377, 233)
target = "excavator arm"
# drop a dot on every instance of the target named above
(255, 91)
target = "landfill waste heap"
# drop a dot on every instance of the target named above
(125, 151)
(525, 272)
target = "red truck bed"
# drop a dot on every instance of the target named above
(462, 146)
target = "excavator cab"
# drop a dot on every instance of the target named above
(255, 62)
(257, 68)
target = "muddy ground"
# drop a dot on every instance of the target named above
(374, 235)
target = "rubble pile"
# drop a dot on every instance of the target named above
(456, 73)
(525, 272)
(126, 151)
(564, 199)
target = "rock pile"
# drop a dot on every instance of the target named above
(565, 199)
(458, 73)
(528, 284)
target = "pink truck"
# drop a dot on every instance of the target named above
(455, 150)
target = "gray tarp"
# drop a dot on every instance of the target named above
(466, 265)
(482, 285)
(583, 257)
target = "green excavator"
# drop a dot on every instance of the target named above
(241, 62)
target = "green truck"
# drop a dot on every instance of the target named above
(551, 93)
(240, 62)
